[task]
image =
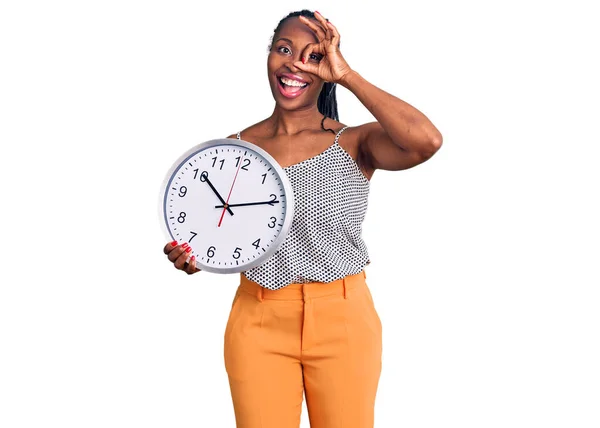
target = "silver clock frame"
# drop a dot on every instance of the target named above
(289, 193)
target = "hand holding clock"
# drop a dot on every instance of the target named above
(178, 254)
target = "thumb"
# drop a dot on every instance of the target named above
(309, 68)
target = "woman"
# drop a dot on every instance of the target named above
(304, 321)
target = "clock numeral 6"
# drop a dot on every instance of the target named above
(211, 251)
(181, 217)
(182, 191)
(273, 219)
(236, 253)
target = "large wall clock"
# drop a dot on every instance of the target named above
(231, 201)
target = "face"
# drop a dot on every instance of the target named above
(298, 87)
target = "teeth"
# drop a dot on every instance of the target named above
(291, 82)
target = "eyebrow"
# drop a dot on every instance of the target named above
(287, 40)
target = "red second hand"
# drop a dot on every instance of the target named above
(227, 202)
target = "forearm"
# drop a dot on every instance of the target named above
(406, 126)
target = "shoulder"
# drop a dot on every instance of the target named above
(249, 131)
(351, 141)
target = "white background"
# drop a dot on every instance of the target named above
(484, 259)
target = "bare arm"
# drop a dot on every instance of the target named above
(401, 138)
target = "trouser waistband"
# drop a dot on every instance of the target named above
(306, 291)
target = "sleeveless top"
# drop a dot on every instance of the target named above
(324, 242)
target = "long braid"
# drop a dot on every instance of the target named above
(327, 101)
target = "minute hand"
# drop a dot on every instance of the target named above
(250, 203)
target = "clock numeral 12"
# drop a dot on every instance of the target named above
(245, 165)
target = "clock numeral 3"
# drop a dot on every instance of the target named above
(211, 251)
(181, 217)
(236, 253)
(273, 219)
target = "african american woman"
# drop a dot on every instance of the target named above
(304, 321)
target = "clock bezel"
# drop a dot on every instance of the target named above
(289, 194)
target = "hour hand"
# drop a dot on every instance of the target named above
(204, 177)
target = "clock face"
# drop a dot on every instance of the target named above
(231, 201)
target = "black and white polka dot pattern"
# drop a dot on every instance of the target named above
(324, 242)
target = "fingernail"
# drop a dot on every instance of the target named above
(188, 249)
(174, 243)
(303, 60)
(193, 257)
(316, 11)
(184, 245)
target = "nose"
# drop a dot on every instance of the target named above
(290, 63)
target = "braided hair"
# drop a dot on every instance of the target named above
(327, 102)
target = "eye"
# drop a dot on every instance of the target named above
(317, 57)
(282, 47)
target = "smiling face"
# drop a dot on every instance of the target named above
(291, 86)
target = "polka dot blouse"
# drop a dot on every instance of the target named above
(324, 242)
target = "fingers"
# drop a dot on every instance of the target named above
(179, 254)
(309, 49)
(191, 266)
(309, 68)
(323, 22)
(335, 40)
(316, 28)
(169, 247)
(182, 256)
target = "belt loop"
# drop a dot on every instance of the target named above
(261, 293)
(344, 285)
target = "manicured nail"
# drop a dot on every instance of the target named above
(184, 245)
(174, 243)
(193, 257)
(303, 60)
(316, 11)
(188, 249)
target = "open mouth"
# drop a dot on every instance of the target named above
(290, 88)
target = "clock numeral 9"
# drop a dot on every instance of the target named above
(181, 217)
(182, 191)
(211, 251)
(236, 253)
(273, 219)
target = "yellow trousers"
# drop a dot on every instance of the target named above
(320, 339)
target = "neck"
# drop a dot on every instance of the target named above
(291, 122)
